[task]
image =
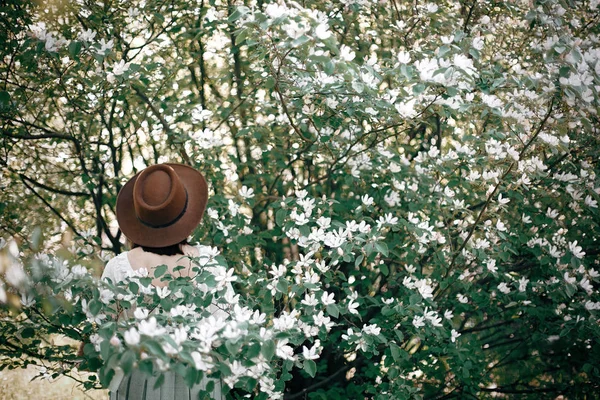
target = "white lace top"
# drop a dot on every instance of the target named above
(119, 268)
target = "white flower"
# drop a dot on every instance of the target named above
(321, 320)
(478, 43)
(403, 57)
(552, 214)
(568, 279)
(387, 219)
(462, 298)
(500, 226)
(258, 318)
(120, 68)
(104, 47)
(432, 8)
(586, 285)
(199, 114)
(96, 340)
(503, 287)
(87, 35)
(576, 250)
(114, 341)
(448, 314)
(590, 202)
(310, 300)
(346, 53)
(106, 295)
(425, 290)
(335, 239)
(491, 265)
(79, 271)
(433, 317)
(502, 200)
(27, 299)
(212, 213)
(322, 31)
(246, 192)
(222, 275)
(455, 335)
(150, 328)
(372, 329)
(352, 307)
(140, 313)
(406, 109)
(284, 351)
(367, 200)
(418, 321)
(201, 363)
(523, 284)
(285, 321)
(233, 208)
(163, 292)
(313, 352)
(324, 222)
(132, 337)
(327, 298)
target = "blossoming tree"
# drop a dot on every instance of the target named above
(404, 195)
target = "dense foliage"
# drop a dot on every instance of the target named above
(405, 194)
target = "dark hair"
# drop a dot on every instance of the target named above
(171, 250)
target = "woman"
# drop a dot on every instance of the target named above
(157, 210)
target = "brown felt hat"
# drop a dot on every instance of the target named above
(162, 205)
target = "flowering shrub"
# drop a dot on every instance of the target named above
(406, 195)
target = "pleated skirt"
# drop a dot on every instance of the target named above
(139, 386)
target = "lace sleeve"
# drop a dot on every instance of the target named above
(116, 268)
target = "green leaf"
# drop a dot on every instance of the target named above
(268, 350)
(333, 310)
(126, 361)
(160, 271)
(232, 347)
(238, 13)
(280, 216)
(95, 307)
(159, 381)
(282, 285)
(74, 49)
(382, 248)
(414, 299)
(418, 89)
(154, 347)
(395, 350)
(359, 260)
(310, 367)
(384, 269)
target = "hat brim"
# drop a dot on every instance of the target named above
(144, 235)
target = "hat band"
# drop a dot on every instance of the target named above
(174, 220)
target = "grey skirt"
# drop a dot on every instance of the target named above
(139, 386)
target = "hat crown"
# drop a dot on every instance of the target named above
(159, 197)
(150, 194)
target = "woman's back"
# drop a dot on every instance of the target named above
(138, 259)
